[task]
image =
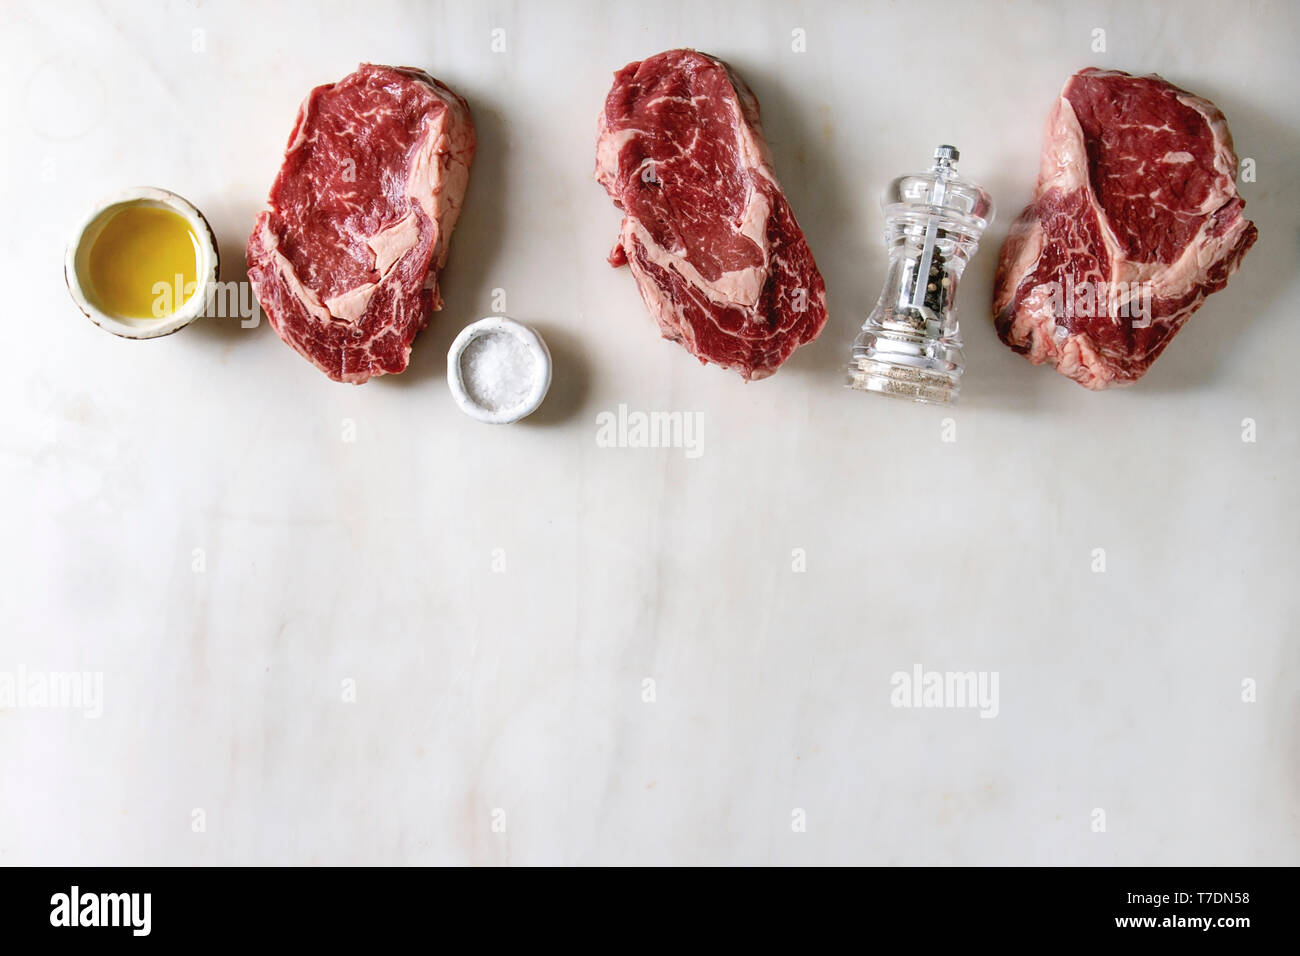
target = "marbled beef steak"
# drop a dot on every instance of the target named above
(345, 259)
(1135, 220)
(710, 238)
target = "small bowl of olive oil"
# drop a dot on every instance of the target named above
(142, 264)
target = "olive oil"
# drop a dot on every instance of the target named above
(144, 264)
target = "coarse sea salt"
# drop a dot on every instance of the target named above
(499, 370)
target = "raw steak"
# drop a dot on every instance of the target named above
(1135, 220)
(717, 255)
(345, 260)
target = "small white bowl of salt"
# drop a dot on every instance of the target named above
(498, 370)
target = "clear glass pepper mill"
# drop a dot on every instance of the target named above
(910, 345)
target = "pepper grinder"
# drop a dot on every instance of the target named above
(910, 345)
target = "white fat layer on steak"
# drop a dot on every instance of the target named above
(351, 305)
(608, 147)
(437, 176)
(300, 125)
(389, 245)
(1028, 237)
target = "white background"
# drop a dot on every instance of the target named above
(372, 561)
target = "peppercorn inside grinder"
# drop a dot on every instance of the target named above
(910, 345)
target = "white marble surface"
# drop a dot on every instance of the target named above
(521, 690)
